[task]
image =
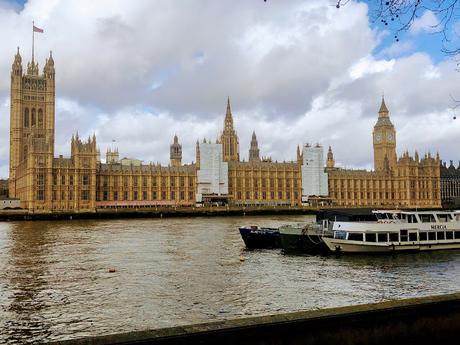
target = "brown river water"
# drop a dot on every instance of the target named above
(55, 282)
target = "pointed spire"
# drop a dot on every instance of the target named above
(254, 152)
(228, 122)
(383, 111)
(229, 111)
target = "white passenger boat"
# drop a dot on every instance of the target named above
(397, 231)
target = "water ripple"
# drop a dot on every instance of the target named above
(55, 283)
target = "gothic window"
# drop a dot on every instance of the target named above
(62, 179)
(33, 119)
(40, 118)
(85, 195)
(144, 195)
(40, 194)
(71, 180)
(25, 151)
(85, 181)
(26, 117)
(115, 196)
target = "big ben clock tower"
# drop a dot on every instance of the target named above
(384, 136)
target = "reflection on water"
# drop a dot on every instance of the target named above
(55, 284)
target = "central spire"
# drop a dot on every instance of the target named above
(228, 116)
(229, 138)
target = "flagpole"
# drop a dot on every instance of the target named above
(33, 36)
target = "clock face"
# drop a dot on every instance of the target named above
(378, 137)
(390, 137)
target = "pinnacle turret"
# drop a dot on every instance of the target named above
(254, 152)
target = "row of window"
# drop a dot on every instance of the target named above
(104, 181)
(34, 119)
(136, 196)
(381, 195)
(85, 180)
(381, 184)
(264, 183)
(404, 236)
(84, 195)
(266, 196)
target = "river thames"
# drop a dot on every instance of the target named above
(55, 282)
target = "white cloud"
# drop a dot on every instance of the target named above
(296, 71)
(397, 49)
(427, 22)
(368, 65)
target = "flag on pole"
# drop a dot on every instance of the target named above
(38, 29)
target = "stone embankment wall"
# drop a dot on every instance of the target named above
(428, 320)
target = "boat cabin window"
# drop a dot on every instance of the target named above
(441, 235)
(411, 218)
(423, 236)
(382, 237)
(427, 218)
(432, 236)
(457, 235)
(371, 238)
(412, 236)
(404, 236)
(340, 235)
(449, 235)
(444, 217)
(355, 236)
(394, 237)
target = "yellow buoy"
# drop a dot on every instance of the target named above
(112, 270)
(242, 258)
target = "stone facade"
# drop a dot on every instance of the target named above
(44, 183)
(81, 182)
(40, 181)
(405, 182)
(260, 181)
(4, 189)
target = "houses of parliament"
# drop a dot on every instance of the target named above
(83, 183)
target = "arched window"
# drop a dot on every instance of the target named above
(33, 120)
(26, 117)
(25, 152)
(40, 118)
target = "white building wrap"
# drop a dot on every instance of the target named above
(314, 178)
(213, 173)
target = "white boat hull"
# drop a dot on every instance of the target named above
(346, 246)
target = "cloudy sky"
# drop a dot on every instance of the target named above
(296, 71)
